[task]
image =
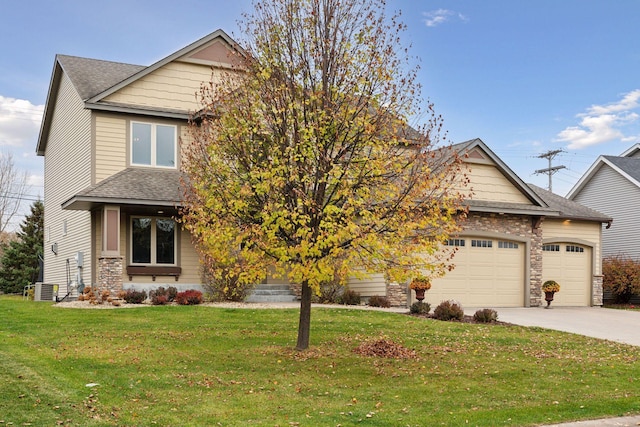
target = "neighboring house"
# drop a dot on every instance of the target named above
(612, 186)
(110, 138)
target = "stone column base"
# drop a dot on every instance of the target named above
(110, 274)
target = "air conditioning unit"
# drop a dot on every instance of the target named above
(45, 292)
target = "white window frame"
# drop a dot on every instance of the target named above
(153, 261)
(154, 144)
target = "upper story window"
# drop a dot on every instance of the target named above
(153, 145)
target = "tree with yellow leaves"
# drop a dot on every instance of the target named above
(302, 159)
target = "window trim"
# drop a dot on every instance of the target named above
(153, 256)
(154, 145)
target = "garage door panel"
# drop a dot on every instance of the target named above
(570, 266)
(484, 276)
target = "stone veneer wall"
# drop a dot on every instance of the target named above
(110, 274)
(397, 294)
(597, 291)
(520, 226)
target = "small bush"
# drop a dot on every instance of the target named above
(420, 307)
(224, 283)
(330, 293)
(621, 278)
(172, 291)
(159, 299)
(161, 296)
(132, 296)
(189, 297)
(379, 301)
(486, 315)
(448, 310)
(350, 297)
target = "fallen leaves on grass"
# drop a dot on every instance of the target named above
(384, 347)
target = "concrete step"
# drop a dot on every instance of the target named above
(271, 298)
(272, 292)
(273, 287)
(265, 293)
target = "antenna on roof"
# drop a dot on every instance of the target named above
(551, 169)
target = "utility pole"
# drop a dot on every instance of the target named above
(551, 169)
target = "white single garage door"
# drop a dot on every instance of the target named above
(569, 265)
(488, 273)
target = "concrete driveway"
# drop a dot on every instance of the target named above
(614, 325)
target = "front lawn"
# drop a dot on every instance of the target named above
(205, 366)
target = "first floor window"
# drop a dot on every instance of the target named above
(153, 241)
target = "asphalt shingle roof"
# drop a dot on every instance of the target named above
(93, 76)
(137, 186)
(629, 165)
(568, 208)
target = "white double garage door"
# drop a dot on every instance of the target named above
(490, 272)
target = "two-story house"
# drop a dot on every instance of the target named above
(111, 138)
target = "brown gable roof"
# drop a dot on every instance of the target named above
(132, 186)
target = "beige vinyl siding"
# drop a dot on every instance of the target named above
(615, 196)
(173, 86)
(67, 170)
(111, 145)
(375, 284)
(583, 232)
(489, 184)
(189, 260)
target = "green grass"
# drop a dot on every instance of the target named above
(205, 366)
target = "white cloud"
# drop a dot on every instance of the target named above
(436, 17)
(19, 122)
(628, 102)
(603, 123)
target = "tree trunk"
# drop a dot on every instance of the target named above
(304, 325)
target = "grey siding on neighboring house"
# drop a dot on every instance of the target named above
(67, 170)
(615, 196)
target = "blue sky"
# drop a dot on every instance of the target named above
(525, 77)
